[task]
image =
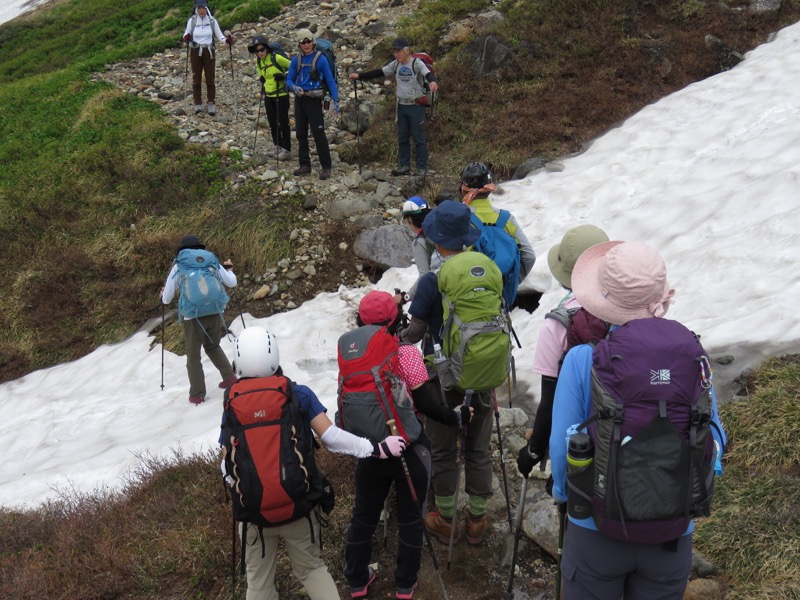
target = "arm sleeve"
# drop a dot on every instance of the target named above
(430, 77)
(373, 74)
(169, 285)
(414, 332)
(429, 405)
(282, 61)
(218, 31)
(344, 442)
(543, 422)
(528, 256)
(570, 407)
(227, 277)
(188, 27)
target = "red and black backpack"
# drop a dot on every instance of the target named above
(269, 453)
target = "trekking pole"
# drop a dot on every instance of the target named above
(358, 126)
(163, 309)
(412, 490)
(239, 308)
(385, 515)
(277, 127)
(502, 460)
(561, 524)
(230, 49)
(517, 536)
(258, 117)
(509, 391)
(186, 74)
(461, 459)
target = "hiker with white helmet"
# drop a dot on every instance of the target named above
(409, 73)
(639, 416)
(266, 433)
(308, 72)
(201, 31)
(425, 256)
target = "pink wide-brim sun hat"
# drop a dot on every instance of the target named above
(622, 281)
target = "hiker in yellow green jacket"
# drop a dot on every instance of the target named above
(272, 65)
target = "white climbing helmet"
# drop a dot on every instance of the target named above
(256, 353)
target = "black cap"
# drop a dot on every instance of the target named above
(399, 43)
(191, 241)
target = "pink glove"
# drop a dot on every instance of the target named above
(394, 445)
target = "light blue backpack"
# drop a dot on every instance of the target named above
(202, 292)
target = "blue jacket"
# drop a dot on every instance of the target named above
(299, 75)
(572, 406)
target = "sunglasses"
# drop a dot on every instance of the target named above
(261, 49)
(307, 42)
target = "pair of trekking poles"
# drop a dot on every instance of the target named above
(186, 68)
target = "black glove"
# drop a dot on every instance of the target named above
(263, 80)
(279, 77)
(526, 460)
(562, 507)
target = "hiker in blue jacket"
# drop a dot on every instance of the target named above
(308, 71)
(201, 332)
(618, 282)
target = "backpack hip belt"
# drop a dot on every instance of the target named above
(407, 101)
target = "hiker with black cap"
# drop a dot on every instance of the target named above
(374, 478)
(638, 413)
(200, 310)
(271, 67)
(449, 226)
(309, 74)
(201, 31)
(409, 74)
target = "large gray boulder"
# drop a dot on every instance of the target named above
(388, 245)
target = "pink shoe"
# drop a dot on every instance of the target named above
(406, 593)
(226, 383)
(197, 399)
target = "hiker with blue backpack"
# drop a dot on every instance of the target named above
(269, 465)
(636, 437)
(271, 66)
(412, 76)
(201, 281)
(458, 312)
(201, 31)
(311, 79)
(383, 381)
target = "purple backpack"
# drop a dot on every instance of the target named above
(650, 424)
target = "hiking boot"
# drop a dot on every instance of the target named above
(476, 529)
(362, 591)
(406, 593)
(197, 399)
(226, 383)
(212, 110)
(198, 109)
(439, 527)
(325, 174)
(303, 170)
(401, 170)
(420, 172)
(283, 154)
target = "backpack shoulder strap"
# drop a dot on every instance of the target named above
(502, 219)
(562, 315)
(476, 221)
(317, 54)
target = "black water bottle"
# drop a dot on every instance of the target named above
(580, 475)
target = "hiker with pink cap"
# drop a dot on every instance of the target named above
(636, 437)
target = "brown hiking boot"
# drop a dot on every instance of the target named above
(439, 527)
(476, 529)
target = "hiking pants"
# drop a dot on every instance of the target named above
(203, 62)
(596, 567)
(308, 113)
(277, 109)
(446, 442)
(374, 478)
(205, 333)
(304, 555)
(411, 124)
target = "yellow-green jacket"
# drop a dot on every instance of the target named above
(273, 64)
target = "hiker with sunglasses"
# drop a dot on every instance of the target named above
(271, 67)
(305, 80)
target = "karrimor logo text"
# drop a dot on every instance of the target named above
(659, 376)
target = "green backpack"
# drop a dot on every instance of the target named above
(476, 336)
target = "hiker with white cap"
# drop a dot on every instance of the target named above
(409, 73)
(552, 344)
(643, 402)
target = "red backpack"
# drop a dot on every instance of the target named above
(269, 453)
(370, 393)
(429, 98)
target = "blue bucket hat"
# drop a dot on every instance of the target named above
(450, 225)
